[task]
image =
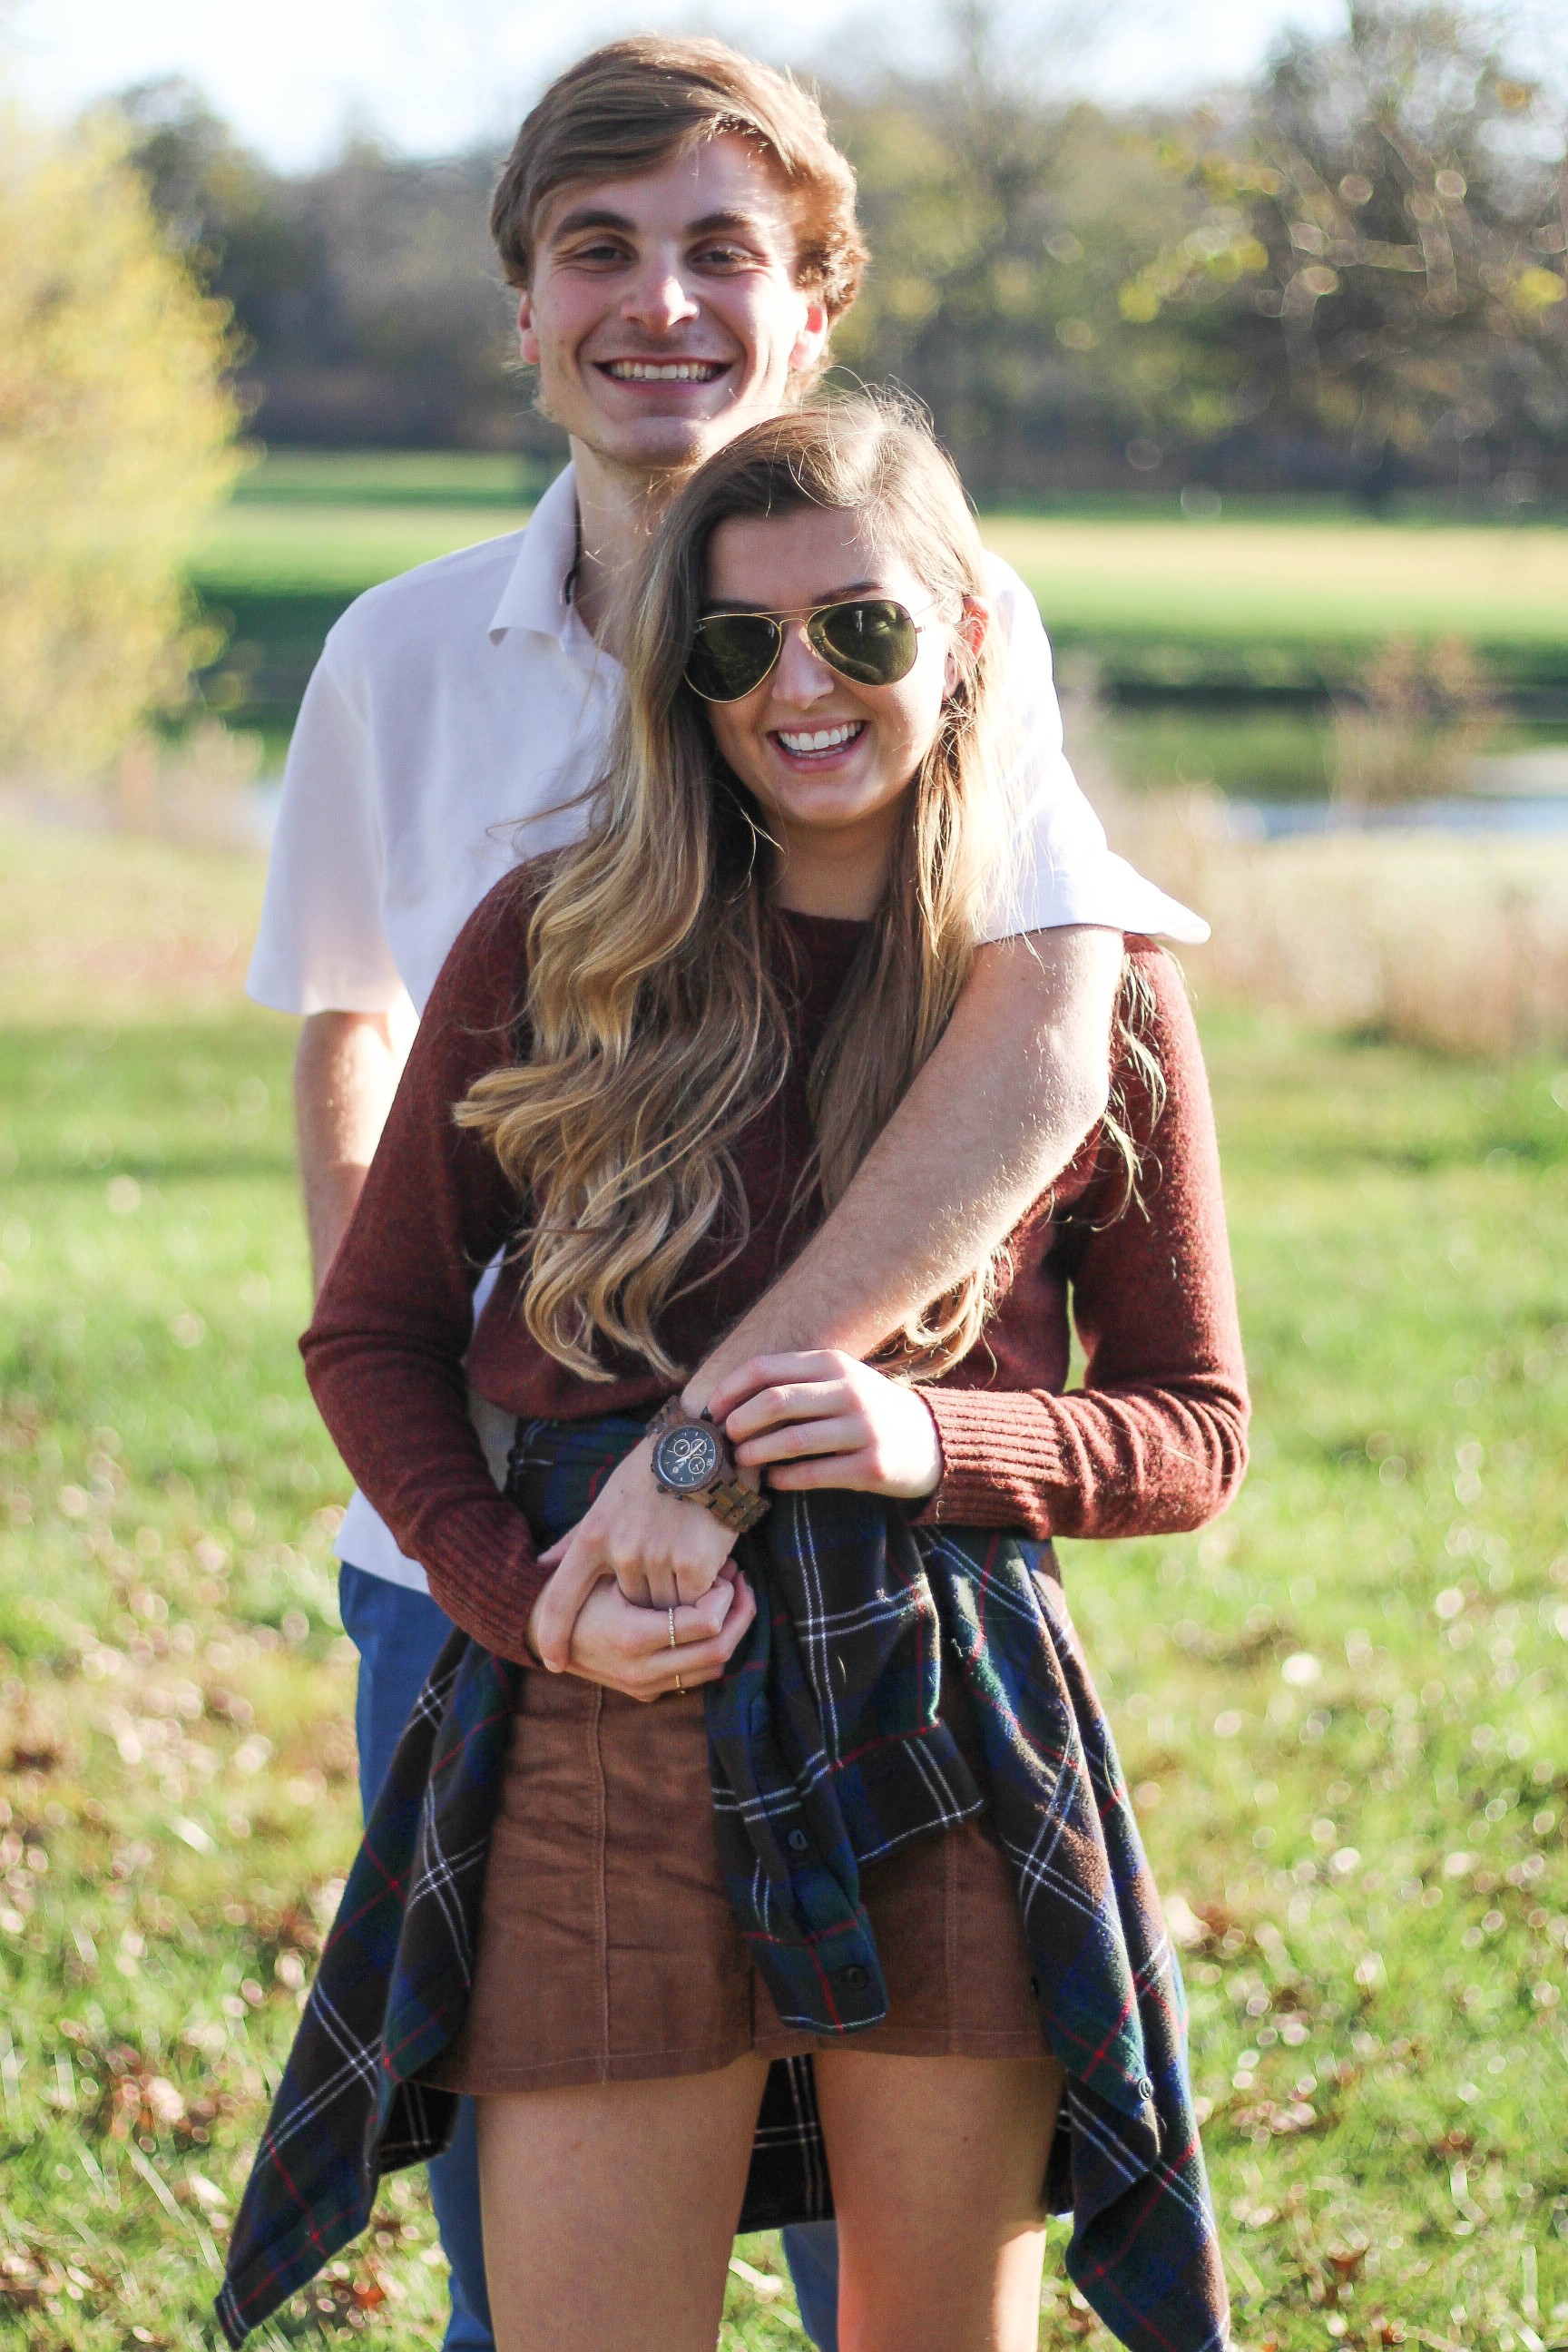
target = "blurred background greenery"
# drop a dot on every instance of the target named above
(1267, 398)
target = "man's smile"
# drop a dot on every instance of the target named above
(693, 371)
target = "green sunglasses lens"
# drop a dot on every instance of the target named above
(873, 642)
(731, 655)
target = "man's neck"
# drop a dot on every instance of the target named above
(617, 510)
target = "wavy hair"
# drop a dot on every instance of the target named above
(652, 1029)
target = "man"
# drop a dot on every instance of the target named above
(681, 234)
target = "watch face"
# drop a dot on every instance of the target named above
(687, 1458)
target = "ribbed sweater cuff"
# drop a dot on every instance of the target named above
(488, 1587)
(1001, 1454)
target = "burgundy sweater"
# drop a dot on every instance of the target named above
(1154, 1441)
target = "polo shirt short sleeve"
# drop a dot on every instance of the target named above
(322, 944)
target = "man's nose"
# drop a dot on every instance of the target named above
(660, 301)
(802, 676)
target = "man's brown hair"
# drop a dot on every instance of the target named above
(633, 105)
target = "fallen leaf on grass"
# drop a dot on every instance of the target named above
(760, 2282)
(1270, 2116)
(22, 2281)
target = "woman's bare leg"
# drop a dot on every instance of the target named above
(938, 2166)
(609, 2210)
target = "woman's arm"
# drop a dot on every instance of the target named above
(1155, 1440)
(384, 1353)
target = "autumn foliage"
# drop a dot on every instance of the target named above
(117, 438)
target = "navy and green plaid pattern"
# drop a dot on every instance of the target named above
(829, 1752)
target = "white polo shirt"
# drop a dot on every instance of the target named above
(454, 720)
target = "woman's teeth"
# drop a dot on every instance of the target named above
(665, 372)
(825, 738)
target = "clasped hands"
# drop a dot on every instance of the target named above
(643, 1589)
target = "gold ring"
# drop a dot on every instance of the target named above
(670, 1614)
(681, 1686)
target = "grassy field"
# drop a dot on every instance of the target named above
(1341, 1708)
(1254, 601)
(339, 524)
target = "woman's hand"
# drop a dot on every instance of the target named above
(627, 1649)
(662, 1553)
(828, 1419)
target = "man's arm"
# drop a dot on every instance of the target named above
(1017, 1082)
(1021, 1077)
(346, 1069)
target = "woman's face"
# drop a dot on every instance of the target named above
(830, 761)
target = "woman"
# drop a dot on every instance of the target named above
(647, 1063)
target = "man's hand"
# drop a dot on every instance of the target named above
(627, 1649)
(824, 1419)
(661, 1552)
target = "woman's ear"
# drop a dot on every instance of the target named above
(973, 628)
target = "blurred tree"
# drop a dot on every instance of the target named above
(1003, 222)
(372, 301)
(1378, 254)
(116, 439)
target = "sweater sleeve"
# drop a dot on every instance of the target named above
(1154, 1441)
(384, 1353)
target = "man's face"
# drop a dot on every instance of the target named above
(664, 315)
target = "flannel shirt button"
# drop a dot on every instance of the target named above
(798, 1842)
(857, 1977)
(1145, 2088)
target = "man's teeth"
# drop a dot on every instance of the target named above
(825, 738)
(664, 370)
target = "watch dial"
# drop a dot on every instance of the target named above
(687, 1458)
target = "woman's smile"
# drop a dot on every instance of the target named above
(827, 745)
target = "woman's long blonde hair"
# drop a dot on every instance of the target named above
(653, 1026)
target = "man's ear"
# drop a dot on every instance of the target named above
(973, 628)
(527, 334)
(812, 340)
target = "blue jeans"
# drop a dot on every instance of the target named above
(399, 1635)
(811, 2249)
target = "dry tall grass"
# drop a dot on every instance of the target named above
(1451, 941)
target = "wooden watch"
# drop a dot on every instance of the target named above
(693, 1458)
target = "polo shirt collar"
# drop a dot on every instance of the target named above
(534, 596)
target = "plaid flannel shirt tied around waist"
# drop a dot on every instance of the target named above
(827, 1753)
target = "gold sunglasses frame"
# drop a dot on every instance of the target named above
(807, 614)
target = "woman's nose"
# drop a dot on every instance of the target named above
(802, 676)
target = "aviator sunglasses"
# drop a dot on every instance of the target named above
(869, 640)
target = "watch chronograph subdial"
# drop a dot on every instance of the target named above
(687, 1458)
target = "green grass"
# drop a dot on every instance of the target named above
(316, 547)
(1284, 594)
(446, 478)
(1341, 1709)
(1337, 581)
(341, 525)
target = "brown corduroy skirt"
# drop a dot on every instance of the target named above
(608, 1951)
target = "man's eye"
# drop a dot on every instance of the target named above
(605, 252)
(724, 256)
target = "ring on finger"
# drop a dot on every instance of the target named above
(670, 1614)
(681, 1686)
